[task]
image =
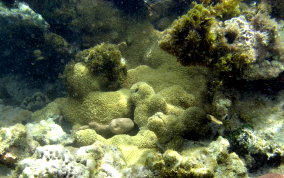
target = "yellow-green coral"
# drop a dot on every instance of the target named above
(177, 96)
(86, 137)
(146, 103)
(79, 79)
(135, 148)
(100, 107)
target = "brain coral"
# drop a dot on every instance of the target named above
(100, 107)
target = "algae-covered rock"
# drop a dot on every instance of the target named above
(219, 37)
(190, 38)
(11, 115)
(99, 68)
(53, 108)
(31, 49)
(105, 62)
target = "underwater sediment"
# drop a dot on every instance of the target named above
(164, 89)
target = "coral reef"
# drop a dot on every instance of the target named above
(153, 117)
(79, 79)
(85, 137)
(95, 69)
(177, 96)
(12, 136)
(95, 160)
(261, 140)
(99, 107)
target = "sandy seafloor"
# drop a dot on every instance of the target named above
(105, 88)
